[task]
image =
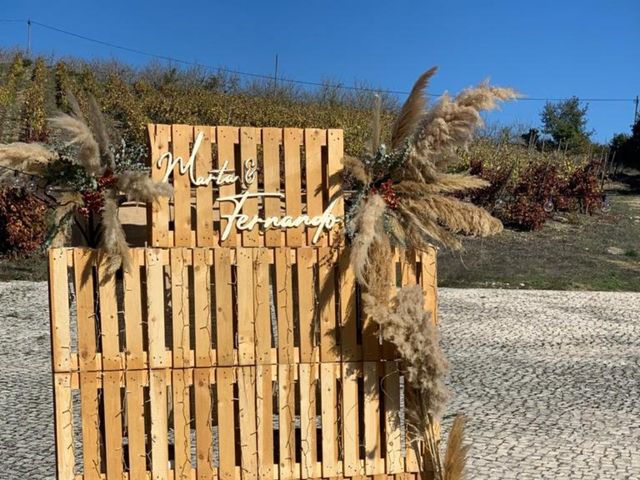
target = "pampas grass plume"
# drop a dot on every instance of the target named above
(365, 222)
(412, 111)
(410, 328)
(455, 458)
(113, 240)
(452, 122)
(29, 158)
(139, 187)
(78, 133)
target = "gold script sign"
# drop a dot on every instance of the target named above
(236, 219)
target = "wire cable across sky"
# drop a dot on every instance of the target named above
(264, 76)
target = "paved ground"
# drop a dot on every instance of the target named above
(550, 382)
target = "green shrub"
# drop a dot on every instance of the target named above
(11, 80)
(34, 114)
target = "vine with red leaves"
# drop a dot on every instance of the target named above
(23, 221)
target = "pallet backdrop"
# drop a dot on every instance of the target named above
(215, 361)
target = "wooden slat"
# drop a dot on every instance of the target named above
(158, 211)
(374, 463)
(181, 424)
(247, 419)
(331, 466)
(65, 456)
(202, 308)
(249, 137)
(314, 139)
(350, 427)
(181, 136)
(113, 414)
(308, 411)
(306, 259)
(135, 423)
(333, 182)
(205, 236)
(286, 409)
(284, 304)
(429, 282)
(408, 270)
(271, 139)
(329, 350)
(371, 348)
(89, 384)
(246, 319)
(410, 461)
(59, 310)
(348, 326)
(391, 388)
(227, 139)
(204, 436)
(159, 425)
(403, 273)
(224, 307)
(293, 183)
(180, 306)
(109, 328)
(86, 318)
(133, 312)
(261, 305)
(155, 309)
(226, 423)
(264, 421)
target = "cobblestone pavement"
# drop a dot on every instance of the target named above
(550, 382)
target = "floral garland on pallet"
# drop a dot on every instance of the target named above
(83, 179)
(403, 199)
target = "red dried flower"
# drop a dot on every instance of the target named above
(388, 194)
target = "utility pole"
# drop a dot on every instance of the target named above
(29, 38)
(635, 113)
(275, 75)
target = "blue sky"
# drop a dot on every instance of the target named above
(545, 49)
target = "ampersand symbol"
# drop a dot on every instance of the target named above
(250, 171)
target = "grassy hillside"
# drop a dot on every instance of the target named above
(31, 91)
(569, 252)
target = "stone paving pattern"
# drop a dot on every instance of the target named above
(550, 382)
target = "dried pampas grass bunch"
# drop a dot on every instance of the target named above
(95, 155)
(405, 200)
(83, 179)
(410, 328)
(409, 177)
(29, 158)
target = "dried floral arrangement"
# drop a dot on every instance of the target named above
(83, 177)
(404, 199)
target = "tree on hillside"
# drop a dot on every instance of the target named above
(627, 147)
(566, 123)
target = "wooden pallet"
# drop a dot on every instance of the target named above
(158, 350)
(247, 358)
(198, 307)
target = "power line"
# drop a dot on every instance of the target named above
(269, 77)
(209, 67)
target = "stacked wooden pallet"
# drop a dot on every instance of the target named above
(243, 361)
